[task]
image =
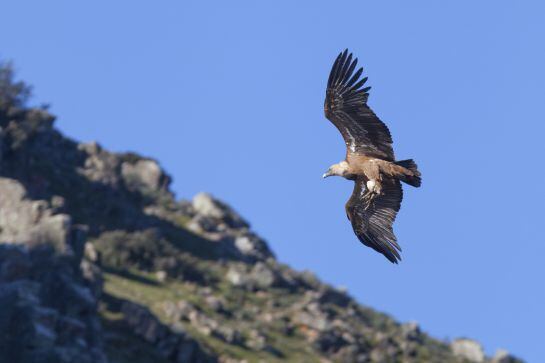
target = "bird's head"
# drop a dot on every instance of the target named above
(339, 169)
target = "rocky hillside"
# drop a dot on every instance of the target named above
(99, 262)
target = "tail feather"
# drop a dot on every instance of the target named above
(413, 178)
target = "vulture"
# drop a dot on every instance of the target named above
(369, 161)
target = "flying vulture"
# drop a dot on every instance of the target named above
(370, 160)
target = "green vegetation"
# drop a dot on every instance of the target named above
(145, 289)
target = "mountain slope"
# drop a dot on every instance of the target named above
(100, 263)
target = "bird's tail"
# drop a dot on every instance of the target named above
(413, 178)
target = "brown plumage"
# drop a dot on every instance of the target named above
(370, 160)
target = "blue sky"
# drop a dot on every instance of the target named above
(228, 96)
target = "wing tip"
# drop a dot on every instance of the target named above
(392, 253)
(395, 259)
(342, 74)
(390, 250)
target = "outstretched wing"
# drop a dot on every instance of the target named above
(372, 222)
(346, 107)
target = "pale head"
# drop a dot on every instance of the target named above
(339, 169)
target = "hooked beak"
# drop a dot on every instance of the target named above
(326, 174)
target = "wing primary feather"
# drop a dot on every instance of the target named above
(361, 91)
(354, 78)
(349, 72)
(359, 84)
(345, 69)
(333, 70)
(340, 67)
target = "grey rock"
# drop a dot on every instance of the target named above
(503, 356)
(309, 279)
(185, 308)
(91, 253)
(213, 219)
(203, 323)
(201, 223)
(100, 166)
(177, 311)
(54, 230)
(315, 321)
(215, 303)
(171, 311)
(411, 331)
(245, 245)
(262, 276)
(17, 215)
(144, 174)
(206, 205)
(31, 222)
(229, 335)
(93, 275)
(351, 354)
(249, 244)
(328, 295)
(161, 275)
(256, 340)
(41, 276)
(40, 118)
(39, 331)
(468, 349)
(330, 341)
(237, 277)
(58, 204)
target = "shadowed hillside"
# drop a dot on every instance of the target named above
(99, 262)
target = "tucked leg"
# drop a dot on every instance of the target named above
(374, 186)
(373, 190)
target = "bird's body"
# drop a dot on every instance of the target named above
(372, 169)
(369, 161)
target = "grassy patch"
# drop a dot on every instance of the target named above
(136, 287)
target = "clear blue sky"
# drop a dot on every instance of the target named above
(228, 96)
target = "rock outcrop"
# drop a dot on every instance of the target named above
(48, 307)
(100, 263)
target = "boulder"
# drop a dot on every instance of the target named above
(256, 340)
(100, 166)
(180, 310)
(237, 276)
(468, 349)
(503, 356)
(411, 331)
(259, 277)
(328, 295)
(216, 303)
(315, 321)
(262, 276)
(33, 223)
(251, 245)
(206, 205)
(144, 174)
